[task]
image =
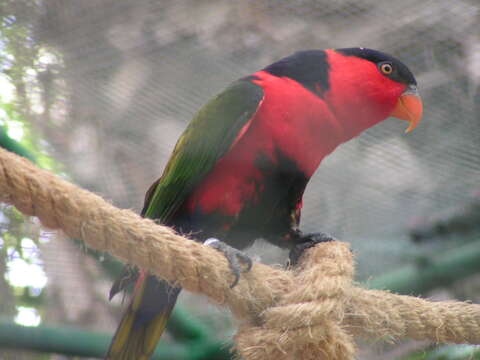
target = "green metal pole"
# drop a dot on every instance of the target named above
(184, 327)
(448, 352)
(91, 344)
(437, 271)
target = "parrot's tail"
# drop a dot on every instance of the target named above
(144, 321)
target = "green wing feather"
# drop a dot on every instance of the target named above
(206, 139)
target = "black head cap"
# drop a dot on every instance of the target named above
(308, 67)
(400, 72)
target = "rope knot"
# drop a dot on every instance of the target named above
(305, 322)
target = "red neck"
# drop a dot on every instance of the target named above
(299, 122)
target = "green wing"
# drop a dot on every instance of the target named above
(206, 139)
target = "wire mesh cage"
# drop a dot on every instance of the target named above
(104, 88)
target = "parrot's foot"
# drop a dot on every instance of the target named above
(238, 261)
(304, 242)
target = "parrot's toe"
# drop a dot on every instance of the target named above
(238, 261)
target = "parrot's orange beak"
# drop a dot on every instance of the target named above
(409, 107)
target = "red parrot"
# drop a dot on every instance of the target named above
(239, 171)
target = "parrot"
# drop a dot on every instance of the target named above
(239, 170)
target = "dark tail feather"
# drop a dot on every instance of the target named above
(144, 321)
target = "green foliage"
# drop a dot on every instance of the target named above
(16, 39)
(19, 238)
(19, 59)
(28, 145)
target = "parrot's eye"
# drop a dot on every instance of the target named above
(386, 68)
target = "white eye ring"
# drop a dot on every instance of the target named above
(386, 68)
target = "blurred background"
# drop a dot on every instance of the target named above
(98, 91)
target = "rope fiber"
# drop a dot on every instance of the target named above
(311, 312)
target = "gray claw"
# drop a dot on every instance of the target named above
(235, 258)
(304, 242)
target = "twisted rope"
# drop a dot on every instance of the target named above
(311, 312)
